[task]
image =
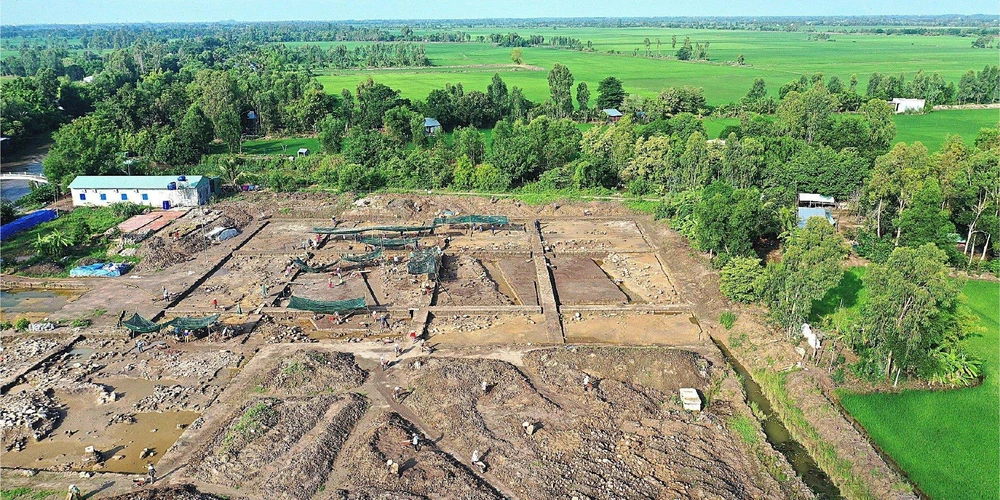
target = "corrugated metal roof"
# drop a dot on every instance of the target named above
(816, 198)
(612, 112)
(132, 181)
(806, 213)
(430, 122)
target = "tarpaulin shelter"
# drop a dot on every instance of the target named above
(389, 242)
(425, 261)
(500, 220)
(324, 306)
(26, 222)
(310, 269)
(363, 258)
(185, 323)
(138, 324)
(99, 269)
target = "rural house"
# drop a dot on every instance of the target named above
(903, 105)
(431, 126)
(162, 191)
(816, 200)
(806, 213)
(613, 114)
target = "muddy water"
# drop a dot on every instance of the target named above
(121, 439)
(780, 439)
(41, 301)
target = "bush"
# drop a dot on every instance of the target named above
(741, 279)
(7, 212)
(80, 323)
(727, 319)
(127, 209)
(22, 324)
(6, 325)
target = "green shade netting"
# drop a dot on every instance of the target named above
(389, 242)
(326, 307)
(426, 261)
(359, 230)
(363, 257)
(472, 219)
(309, 269)
(138, 324)
(184, 323)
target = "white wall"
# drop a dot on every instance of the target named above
(156, 197)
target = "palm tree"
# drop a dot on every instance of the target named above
(230, 173)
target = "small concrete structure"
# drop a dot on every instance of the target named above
(303, 152)
(690, 399)
(160, 191)
(613, 114)
(900, 105)
(805, 213)
(816, 200)
(431, 126)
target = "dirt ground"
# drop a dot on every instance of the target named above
(295, 404)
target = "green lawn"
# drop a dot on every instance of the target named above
(288, 146)
(714, 126)
(947, 441)
(778, 57)
(932, 128)
(97, 219)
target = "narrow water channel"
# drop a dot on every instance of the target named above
(803, 464)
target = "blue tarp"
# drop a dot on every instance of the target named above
(26, 222)
(100, 269)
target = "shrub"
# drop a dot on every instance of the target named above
(22, 324)
(127, 209)
(741, 279)
(727, 319)
(6, 325)
(80, 323)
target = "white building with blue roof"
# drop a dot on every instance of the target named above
(159, 191)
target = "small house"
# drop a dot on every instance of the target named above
(613, 115)
(900, 105)
(160, 191)
(806, 213)
(303, 152)
(690, 399)
(431, 126)
(816, 200)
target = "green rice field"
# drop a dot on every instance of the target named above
(274, 146)
(931, 129)
(948, 442)
(778, 57)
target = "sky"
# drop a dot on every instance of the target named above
(137, 11)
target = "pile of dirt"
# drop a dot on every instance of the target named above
(16, 353)
(308, 372)
(465, 281)
(43, 269)
(286, 445)
(428, 473)
(30, 413)
(177, 398)
(276, 333)
(156, 254)
(183, 492)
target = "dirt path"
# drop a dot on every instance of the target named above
(810, 389)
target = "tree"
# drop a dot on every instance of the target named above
(216, 92)
(560, 89)
(610, 93)
(86, 146)
(498, 97)
(331, 134)
(911, 316)
(397, 124)
(517, 55)
(741, 280)
(673, 41)
(730, 220)
(582, 96)
(924, 221)
(374, 100)
(490, 179)
(739, 60)
(806, 115)
(471, 143)
(686, 51)
(196, 129)
(810, 266)
(646, 42)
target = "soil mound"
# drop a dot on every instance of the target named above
(308, 372)
(183, 492)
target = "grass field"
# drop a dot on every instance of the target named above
(289, 146)
(932, 128)
(778, 57)
(947, 441)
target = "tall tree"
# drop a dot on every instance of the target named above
(810, 266)
(560, 89)
(583, 96)
(610, 93)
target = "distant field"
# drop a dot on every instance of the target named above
(274, 146)
(947, 441)
(778, 57)
(932, 128)
(715, 126)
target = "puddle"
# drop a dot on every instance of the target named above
(803, 464)
(25, 301)
(119, 439)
